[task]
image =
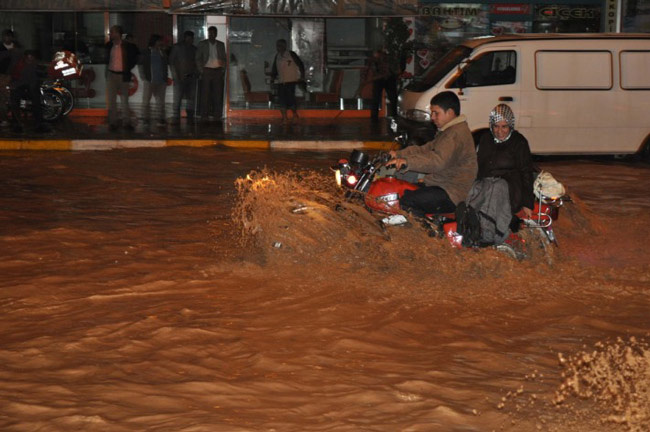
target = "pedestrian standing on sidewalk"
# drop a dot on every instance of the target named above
(10, 53)
(184, 72)
(26, 83)
(153, 71)
(122, 56)
(288, 70)
(383, 75)
(211, 62)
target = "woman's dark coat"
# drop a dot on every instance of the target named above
(510, 160)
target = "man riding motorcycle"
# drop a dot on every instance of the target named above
(448, 162)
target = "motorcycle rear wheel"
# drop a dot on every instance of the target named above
(52, 104)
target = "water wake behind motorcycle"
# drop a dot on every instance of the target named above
(302, 220)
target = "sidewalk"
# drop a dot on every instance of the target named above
(92, 133)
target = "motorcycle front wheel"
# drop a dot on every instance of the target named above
(68, 100)
(52, 104)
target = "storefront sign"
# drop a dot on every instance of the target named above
(610, 20)
(510, 9)
(454, 11)
(567, 13)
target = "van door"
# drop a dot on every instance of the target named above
(490, 78)
(573, 103)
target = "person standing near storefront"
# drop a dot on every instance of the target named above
(122, 56)
(153, 71)
(26, 77)
(184, 73)
(211, 62)
(288, 70)
(382, 74)
(9, 55)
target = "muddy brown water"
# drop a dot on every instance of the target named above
(128, 302)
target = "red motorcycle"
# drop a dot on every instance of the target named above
(359, 175)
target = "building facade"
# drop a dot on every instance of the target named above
(334, 38)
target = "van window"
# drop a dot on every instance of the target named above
(439, 69)
(489, 69)
(634, 70)
(573, 70)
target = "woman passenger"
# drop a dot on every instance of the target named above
(504, 153)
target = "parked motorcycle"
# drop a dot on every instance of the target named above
(56, 101)
(359, 176)
(56, 86)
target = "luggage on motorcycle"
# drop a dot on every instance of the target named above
(468, 225)
(545, 185)
(488, 206)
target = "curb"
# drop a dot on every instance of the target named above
(110, 144)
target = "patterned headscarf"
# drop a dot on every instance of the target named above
(499, 113)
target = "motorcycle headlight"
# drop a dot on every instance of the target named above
(351, 180)
(418, 115)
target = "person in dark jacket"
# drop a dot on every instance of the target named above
(185, 75)
(211, 62)
(504, 153)
(122, 56)
(26, 78)
(10, 54)
(383, 76)
(153, 71)
(288, 70)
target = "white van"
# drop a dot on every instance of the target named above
(570, 93)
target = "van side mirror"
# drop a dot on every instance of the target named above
(461, 81)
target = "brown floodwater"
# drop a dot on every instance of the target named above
(140, 289)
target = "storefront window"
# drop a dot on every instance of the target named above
(636, 16)
(194, 23)
(252, 52)
(334, 52)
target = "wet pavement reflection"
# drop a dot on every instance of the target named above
(304, 129)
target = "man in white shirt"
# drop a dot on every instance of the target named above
(288, 70)
(211, 62)
(122, 56)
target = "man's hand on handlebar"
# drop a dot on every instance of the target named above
(398, 163)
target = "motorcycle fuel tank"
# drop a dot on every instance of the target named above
(384, 194)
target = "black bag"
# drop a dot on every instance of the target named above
(468, 225)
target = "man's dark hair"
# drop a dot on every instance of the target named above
(447, 100)
(153, 39)
(8, 32)
(188, 33)
(212, 27)
(119, 29)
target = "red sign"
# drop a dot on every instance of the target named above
(509, 9)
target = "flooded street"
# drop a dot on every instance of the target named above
(129, 302)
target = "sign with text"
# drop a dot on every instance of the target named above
(510, 9)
